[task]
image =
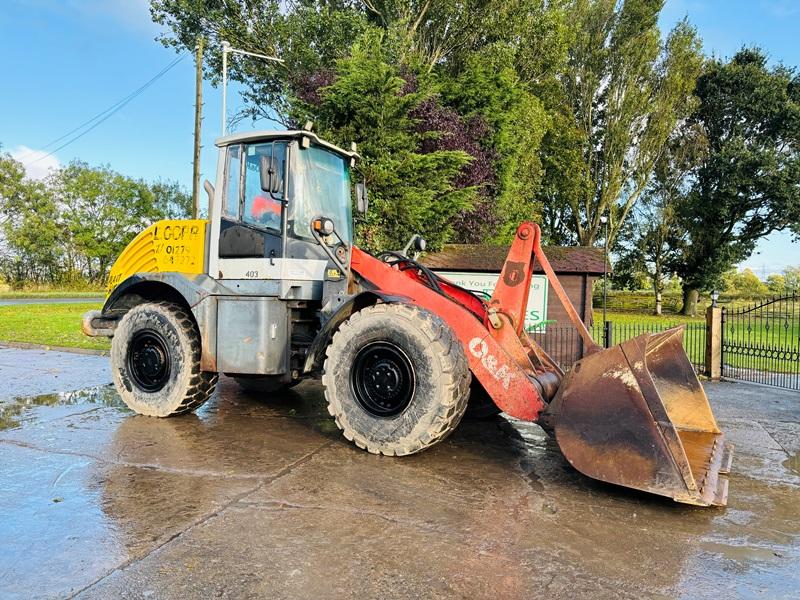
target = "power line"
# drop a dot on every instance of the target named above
(129, 97)
(107, 113)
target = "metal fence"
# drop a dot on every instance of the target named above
(564, 344)
(761, 343)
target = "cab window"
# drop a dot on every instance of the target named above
(233, 176)
(263, 208)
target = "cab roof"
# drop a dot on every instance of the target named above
(267, 135)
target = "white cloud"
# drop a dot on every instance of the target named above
(37, 164)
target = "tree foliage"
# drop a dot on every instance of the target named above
(618, 100)
(438, 95)
(656, 241)
(744, 283)
(72, 226)
(746, 184)
(412, 181)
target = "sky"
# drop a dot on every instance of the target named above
(65, 61)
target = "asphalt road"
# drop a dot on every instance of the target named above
(255, 498)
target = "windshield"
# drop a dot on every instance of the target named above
(319, 186)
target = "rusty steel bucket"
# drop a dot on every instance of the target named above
(636, 415)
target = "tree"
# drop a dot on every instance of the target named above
(411, 184)
(505, 124)
(745, 185)
(657, 241)
(776, 284)
(171, 200)
(466, 75)
(618, 100)
(791, 276)
(32, 239)
(655, 248)
(744, 283)
(72, 226)
(100, 211)
(13, 186)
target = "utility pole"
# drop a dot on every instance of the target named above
(198, 119)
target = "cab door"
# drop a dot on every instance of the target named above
(252, 228)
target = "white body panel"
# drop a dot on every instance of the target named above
(294, 269)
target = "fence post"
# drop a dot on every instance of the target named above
(714, 342)
(607, 330)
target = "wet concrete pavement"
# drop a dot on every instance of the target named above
(31, 372)
(265, 499)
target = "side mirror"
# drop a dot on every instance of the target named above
(268, 170)
(418, 243)
(362, 201)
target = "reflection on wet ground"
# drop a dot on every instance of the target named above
(251, 497)
(793, 463)
(30, 409)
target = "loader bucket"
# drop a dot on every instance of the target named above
(636, 415)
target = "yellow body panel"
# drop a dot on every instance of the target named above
(177, 246)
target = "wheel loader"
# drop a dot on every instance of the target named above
(271, 290)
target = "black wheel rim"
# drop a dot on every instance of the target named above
(382, 379)
(148, 360)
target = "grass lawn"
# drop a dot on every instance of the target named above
(639, 318)
(12, 295)
(764, 341)
(49, 324)
(627, 325)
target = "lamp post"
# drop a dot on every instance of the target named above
(714, 298)
(228, 49)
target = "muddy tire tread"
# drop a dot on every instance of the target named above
(454, 389)
(202, 383)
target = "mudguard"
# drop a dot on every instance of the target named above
(190, 288)
(316, 353)
(181, 288)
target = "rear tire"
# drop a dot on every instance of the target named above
(155, 361)
(396, 379)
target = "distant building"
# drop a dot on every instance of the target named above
(477, 267)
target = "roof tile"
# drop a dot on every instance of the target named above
(490, 259)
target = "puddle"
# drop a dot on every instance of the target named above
(793, 464)
(741, 554)
(22, 410)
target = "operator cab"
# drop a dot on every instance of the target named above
(271, 188)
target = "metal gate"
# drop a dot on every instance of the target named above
(761, 343)
(564, 344)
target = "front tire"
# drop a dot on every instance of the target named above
(155, 361)
(396, 379)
